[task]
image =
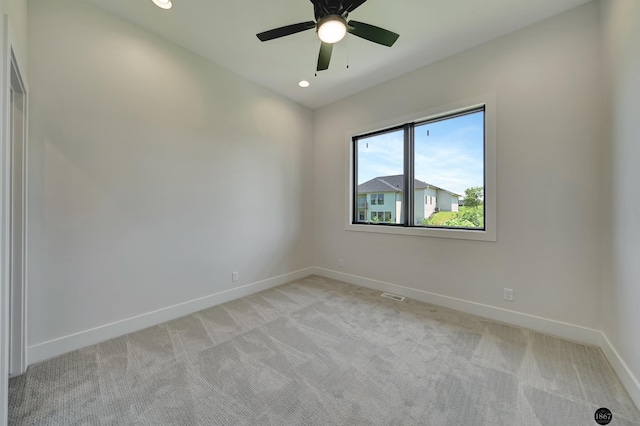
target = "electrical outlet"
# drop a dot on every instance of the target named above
(234, 276)
(341, 263)
(508, 294)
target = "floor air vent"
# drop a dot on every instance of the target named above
(393, 297)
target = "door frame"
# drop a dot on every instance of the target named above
(13, 78)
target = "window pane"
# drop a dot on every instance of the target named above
(380, 176)
(449, 167)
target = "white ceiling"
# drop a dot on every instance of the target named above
(224, 32)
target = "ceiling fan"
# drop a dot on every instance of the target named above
(331, 25)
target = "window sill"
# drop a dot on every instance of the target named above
(456, 234)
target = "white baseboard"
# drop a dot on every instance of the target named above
(628, 379)
(543, 325)
(59, 346)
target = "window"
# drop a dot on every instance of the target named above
(376, 199)
(446, 160)
(378, 217)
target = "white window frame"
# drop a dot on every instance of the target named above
(490, 190)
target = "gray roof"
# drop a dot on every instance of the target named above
(394, 183)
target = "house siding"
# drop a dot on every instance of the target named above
(426, 202)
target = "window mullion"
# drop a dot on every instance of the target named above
(354, 198)
(408, 174)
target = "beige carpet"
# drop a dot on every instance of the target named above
(322, 352)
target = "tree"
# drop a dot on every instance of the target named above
(473, 196)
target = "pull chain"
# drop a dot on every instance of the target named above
(347, 47)
(315, 58)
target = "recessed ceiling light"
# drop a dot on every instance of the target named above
(303, 83)
(163, 4)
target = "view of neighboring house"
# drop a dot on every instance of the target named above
(380, 200)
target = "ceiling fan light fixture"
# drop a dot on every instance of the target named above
(163, 4)
(332, 29)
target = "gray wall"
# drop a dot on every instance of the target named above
(621, 289)
(547, 80)
(153, 174)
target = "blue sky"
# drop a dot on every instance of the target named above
(451, 156)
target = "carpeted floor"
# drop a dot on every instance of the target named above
(322, 352)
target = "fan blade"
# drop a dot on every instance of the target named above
(353, 5)
(285, 31)
(372, 33)
(324, 57)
